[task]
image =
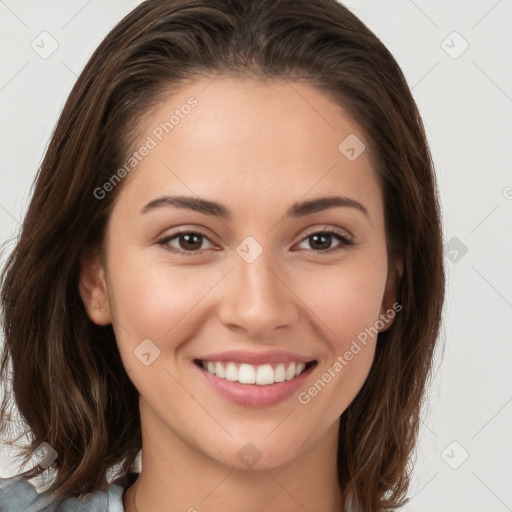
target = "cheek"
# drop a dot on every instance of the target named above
(152, 301)
(348, 304)
(147, 300)
(346, 300)
(151, 298)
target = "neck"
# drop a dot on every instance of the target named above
(189, 481)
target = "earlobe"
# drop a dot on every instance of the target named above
(93, 288)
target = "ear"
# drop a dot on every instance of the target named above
(93, 288)
(395, 272)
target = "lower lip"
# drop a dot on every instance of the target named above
(252, 395)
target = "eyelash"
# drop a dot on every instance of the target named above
(164, 242)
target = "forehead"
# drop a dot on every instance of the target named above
(272, 140)
(248, 115)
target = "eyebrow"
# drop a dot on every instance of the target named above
(299, 209)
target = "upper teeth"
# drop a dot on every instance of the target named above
(248, 374)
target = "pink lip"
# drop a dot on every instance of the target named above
(256, 358)
(252, 395)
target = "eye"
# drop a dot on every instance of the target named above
(321, 241)
(189, 242)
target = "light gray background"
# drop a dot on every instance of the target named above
(466, 103)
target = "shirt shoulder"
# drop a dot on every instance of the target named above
(19, 495)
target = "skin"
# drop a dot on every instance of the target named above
(256, 148)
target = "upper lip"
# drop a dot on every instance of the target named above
(256, 358)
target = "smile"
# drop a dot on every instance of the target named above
(261, 375)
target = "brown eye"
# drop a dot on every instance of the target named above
(321, 241)
(188, 242)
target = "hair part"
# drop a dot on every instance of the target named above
(68, 380)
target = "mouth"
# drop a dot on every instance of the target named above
(255, 380)
(266, 374)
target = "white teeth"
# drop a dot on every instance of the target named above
(280, 373)
(261, 375)
(265, 375)
(290, 372)
(231, 372)
(246, 374)
(219, 371)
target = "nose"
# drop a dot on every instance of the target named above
(257, 299)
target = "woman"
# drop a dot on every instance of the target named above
(232, 261)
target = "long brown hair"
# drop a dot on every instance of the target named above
(68, 380)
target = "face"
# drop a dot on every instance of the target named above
(211, 303)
